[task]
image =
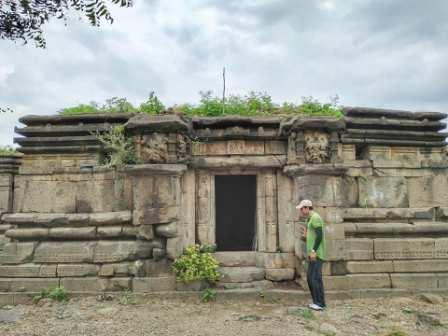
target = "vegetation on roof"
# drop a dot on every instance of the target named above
(209, 105)
(7, 150)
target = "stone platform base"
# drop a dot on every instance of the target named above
(289, 297)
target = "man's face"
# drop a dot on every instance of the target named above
(305, 211)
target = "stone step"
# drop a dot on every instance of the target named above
(241, 274)
(385, 214)
(236, 259)
(261, 284)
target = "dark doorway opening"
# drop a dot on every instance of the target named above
(235, 197)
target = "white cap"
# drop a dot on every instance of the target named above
(304, 203)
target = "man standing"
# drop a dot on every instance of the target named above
(315, 249)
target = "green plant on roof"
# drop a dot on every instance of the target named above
(7, 150)
(210, 105)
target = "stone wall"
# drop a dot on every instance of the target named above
(100, 230)
(378, 177)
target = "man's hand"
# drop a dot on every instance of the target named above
(312, 256)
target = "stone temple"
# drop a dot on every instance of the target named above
(378, 177)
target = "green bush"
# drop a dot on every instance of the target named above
(121, 149)
(7, 150)
(152, 106)
(57, 293)
(196, 263)
(209, 105)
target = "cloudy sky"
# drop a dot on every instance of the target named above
(377, 53)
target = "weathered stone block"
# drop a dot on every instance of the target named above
(154, 268)
(280, 274)
(158, 253)
(156, 192)
(154, 284)
(28, 271)
(365, 281)
(428, 191)
(334, 231)
(103, 195)
(328, 190)
(167, 230)
(275, 147)
(404, 248)
(17, 253)
(383, 192)
(115, 251)
(117, 284)
(21, 234)
(241, 274)
(376, 214)
(73, 233)
(145, 232)
(356, 281)
(65, 252)
(155, 215)
(335, 250)
(239, 259)
(92, 284)
(441, 248)
(109, 231)
(300, 248)
(414, 281)
(44, 196)
(31, 284)
(420, 266)
(173, 249)
(370, 267)
(358, 249)
(275, 260)
(77, 270)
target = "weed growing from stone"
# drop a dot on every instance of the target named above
(208, 295)
(127, 298)
(397, 332)
(59, 294)
(120, 148)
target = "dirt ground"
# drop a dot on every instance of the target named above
(127, 315)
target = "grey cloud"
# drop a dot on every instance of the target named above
(381, 53)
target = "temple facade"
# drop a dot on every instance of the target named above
(379, 178)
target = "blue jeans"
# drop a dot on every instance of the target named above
(315, 283)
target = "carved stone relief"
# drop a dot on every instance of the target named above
(316, 147)
(154, 148)
(163, 148)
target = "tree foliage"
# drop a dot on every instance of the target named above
(24, 19)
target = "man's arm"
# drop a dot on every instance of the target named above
(318, 240)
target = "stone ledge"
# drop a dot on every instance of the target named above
(240, 161)
(63, 219)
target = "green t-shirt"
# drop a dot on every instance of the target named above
(314, 222)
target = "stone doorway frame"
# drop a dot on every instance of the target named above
(266, 207)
